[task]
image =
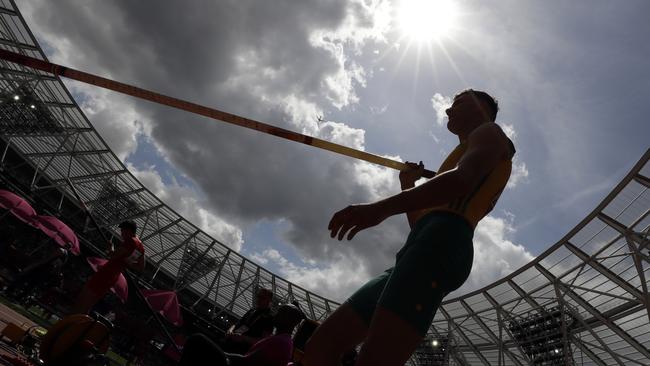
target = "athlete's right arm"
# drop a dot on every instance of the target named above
(407, 179)
(120, 252)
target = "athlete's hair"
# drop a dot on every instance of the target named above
(492, 103)
(130, 225)
(265, 292)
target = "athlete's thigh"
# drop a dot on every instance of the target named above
(435, 263)
(415, 289)
(406, 306)
(341, 331)
(348, 325)
(390, 341)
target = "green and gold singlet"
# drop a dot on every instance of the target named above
(483, 197)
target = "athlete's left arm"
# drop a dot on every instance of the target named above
(120, 253)
(487, 146)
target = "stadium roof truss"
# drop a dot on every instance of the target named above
(583, 301)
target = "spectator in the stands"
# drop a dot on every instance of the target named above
(274, 350)
(256, 324)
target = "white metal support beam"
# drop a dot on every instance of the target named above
(466, 339)
(594, 312)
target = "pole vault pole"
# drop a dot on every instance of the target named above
(216, 114)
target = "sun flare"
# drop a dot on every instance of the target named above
(427, 20)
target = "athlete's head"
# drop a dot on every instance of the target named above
(470, 109)
(287, 317)
(128, 228)
(263, 298)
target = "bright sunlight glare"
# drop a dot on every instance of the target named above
(427, 20)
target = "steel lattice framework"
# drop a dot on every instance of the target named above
(583, 301)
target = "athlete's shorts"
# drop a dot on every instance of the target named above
(102, 281)
(436, 259)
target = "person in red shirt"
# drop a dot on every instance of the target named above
(129, 255)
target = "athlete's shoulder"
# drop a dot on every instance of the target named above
(138, 243)
(491, 135)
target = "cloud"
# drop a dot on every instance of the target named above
(338, 279)
(363, 21)
(519, 173)
(380, 181)
(495, 255)
(185, 201)
(440, 103)
(114, 117)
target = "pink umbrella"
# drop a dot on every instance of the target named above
(18, 206)
(120, 288)
(60, 232)
(166, 304)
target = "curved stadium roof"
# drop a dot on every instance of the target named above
(583, 301)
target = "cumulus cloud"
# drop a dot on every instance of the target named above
(342, 134)
(114, 117)
(495, 255)
(362, 21)
(519, 173)
(339, 278)
(440, 103)
(184, 200)
(302, 114)
(380, 181)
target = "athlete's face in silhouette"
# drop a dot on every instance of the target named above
(465, 114)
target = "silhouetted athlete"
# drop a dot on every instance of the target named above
(129, 255)
(392, 313)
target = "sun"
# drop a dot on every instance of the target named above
(427, 20)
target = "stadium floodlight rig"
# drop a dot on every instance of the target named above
(433, 351)
(542, 335)
(23, 114)
(596, 274)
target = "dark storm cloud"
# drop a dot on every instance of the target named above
(245, 57)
